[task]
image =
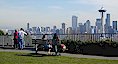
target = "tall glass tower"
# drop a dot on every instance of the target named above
(107, 24)
(108, 20)
(98, 26)
(114, 26)
(63, 28)
(27, 26)
(74, 23)
(87, 26)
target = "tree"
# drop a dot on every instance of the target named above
(1, 32)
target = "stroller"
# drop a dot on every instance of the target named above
(51, 47)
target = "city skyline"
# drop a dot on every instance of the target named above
(15, 13)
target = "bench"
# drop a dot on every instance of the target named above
(37, 43)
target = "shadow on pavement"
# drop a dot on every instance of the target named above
(35, 55)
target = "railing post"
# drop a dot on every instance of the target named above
(12, 41)
(3, 41)
(35, 46)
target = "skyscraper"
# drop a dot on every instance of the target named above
(87, 26)
(108, 20)
(38, 30)
(43, 30)
(69, 30)
(98, 26)
(81, 28)
(63, 28)
(54, 29)
(27, 26)
(47, 30)
(34, 30)
(74, 23)
(114, 26)
(93, 29)
(107, 24)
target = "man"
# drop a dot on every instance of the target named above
(21, 34)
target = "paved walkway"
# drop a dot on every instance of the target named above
(62, 54)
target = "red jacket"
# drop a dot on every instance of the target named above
(16, 35)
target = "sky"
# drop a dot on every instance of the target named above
(17, 13)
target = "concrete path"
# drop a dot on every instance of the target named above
(62, 54)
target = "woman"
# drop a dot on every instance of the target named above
(55, 43)
(15, 39)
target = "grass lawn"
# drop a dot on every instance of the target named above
(25, 58)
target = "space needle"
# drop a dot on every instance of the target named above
(102, 11)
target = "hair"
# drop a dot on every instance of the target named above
(55, 36)
(15, 30)
(21, 29)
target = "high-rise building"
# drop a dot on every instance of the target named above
(87, 26)
(81, 28)
(47, 29)
(114, 26)
(74, 23)
(61, 31)
(43, 30)
(28, 26)
(108, 20)
(93, 31)
(98, 26)
(111, 30)
(54, 29)
(69, 30)
(63, 28)
(107, 24)
(38, 30)
(57, 31)
(34, 30)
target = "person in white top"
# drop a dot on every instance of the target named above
(21, 34)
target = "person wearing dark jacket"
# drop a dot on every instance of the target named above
(55, 42)
(15, 39)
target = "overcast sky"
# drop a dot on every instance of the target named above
(16, 13)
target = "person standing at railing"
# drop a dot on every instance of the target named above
(55, 43)
(15, 39)
(21, 34)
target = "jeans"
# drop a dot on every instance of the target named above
(21, 43)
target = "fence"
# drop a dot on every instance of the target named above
(8, 40)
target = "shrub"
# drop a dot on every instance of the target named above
(1, 32)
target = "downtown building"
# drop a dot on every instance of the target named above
(107, 26)
(114, 25)
(87, 26)
(63, 28)
(98, 26)
(74, 24)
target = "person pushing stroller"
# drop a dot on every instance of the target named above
(55, 44)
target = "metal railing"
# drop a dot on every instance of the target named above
(7, 40)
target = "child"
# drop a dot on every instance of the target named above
(49, 47)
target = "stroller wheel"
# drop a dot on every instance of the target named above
(59, 54)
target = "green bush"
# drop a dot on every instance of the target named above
(1, 32)
(77, 46)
